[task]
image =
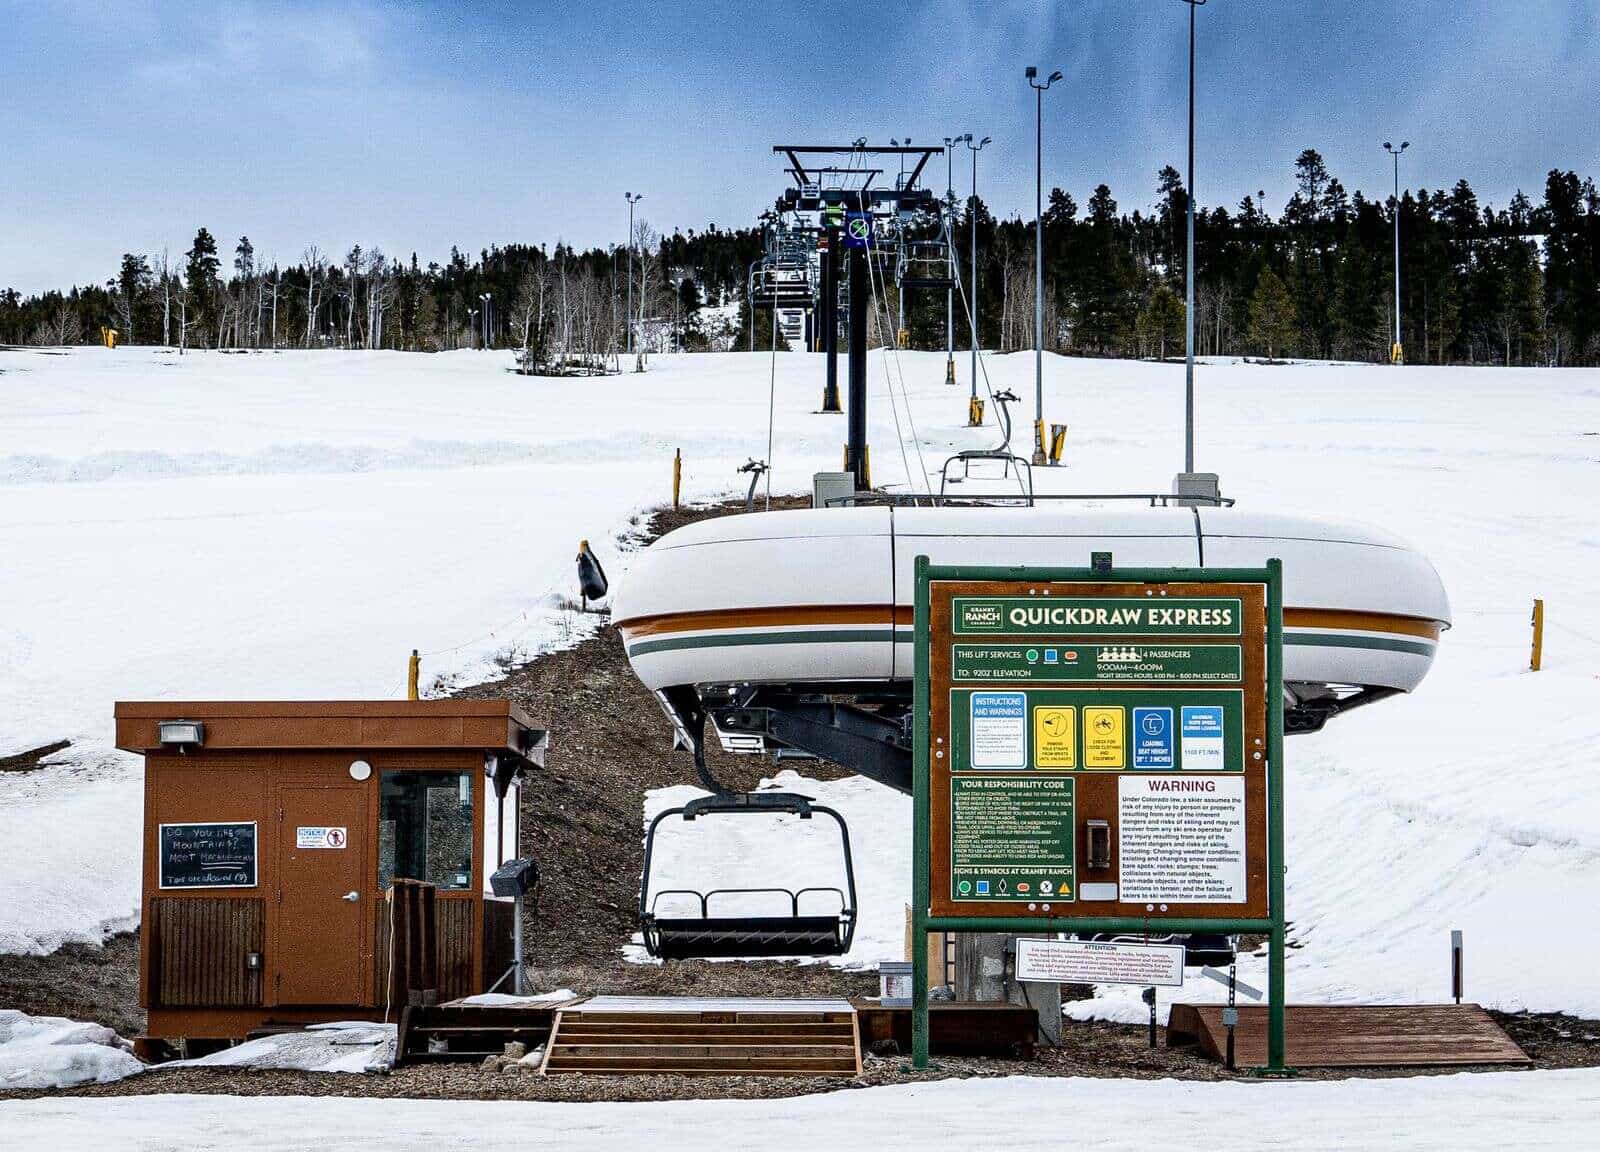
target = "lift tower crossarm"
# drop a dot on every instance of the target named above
(848, 175)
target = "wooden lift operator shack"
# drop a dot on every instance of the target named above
(272, 832)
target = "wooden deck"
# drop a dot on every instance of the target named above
(1353, 1036)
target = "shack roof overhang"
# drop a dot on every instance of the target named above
(488, 726)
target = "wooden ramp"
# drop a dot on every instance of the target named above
(629, 1035)
(1352, 1036)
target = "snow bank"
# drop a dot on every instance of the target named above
(53, 1052)
(1461, 1113)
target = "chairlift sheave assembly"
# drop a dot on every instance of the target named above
(709, 936)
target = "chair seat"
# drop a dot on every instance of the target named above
(728, 936)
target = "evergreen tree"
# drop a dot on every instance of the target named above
(1272, 316)
(201, 280)
(133, 285)
(1160, 323)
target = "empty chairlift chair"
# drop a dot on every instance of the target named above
(708, 935)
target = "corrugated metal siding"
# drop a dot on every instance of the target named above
(200, 947)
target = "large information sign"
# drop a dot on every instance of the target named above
(1138, 704)
(1095, 753)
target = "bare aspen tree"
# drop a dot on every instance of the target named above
(381, 293)
(315, 262)
(646, 262)
(166, 301)
(527, 306)
(352, 281)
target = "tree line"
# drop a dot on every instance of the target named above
(1519, 284)
(1478, 284)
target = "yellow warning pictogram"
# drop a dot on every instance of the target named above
(1055, 743)
(1103, 730)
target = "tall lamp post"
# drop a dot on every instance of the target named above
(950, 257)
(972, 210)
(1397, 354)
(632, 200)
(1040, 456)
(488, 330)
(1188, 269)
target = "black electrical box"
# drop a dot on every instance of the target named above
(515, 878)
(1099, 845)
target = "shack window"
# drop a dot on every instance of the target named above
(425, 829)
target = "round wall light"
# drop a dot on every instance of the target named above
(360, 770)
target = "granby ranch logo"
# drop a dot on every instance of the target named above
(982, 615)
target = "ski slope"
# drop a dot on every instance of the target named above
(293, 524)
(1460, 1113)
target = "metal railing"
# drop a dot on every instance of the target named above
(1030, 500)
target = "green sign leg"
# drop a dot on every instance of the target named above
(920, 830)
(1275, 845)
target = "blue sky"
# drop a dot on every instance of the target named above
(124, 125)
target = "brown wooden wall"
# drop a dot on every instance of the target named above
(456, 934)
(198, 950)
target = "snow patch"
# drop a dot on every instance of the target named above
(341, 1046)
(53, 1052)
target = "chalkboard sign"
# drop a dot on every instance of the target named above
(208, 855)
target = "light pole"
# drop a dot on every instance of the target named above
(1397, 354)
(950, 258)
(1040, 456)
(972, 210)
(632, 200)
(1188, 269)
(902, 333)
(486, 297)
(472, 320)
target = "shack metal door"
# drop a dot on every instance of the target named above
(321, 889)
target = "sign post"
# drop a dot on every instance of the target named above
(1098, 751)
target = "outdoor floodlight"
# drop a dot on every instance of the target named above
(181, 733)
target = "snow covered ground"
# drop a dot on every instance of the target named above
(292, 525)
(1462, 1113)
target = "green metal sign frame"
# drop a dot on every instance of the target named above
(923, 922)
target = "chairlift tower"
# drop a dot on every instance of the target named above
(837, 186)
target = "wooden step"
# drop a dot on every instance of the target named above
(740, 1066)
(683, 1040)
(731, 1051)
(841, 1035)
